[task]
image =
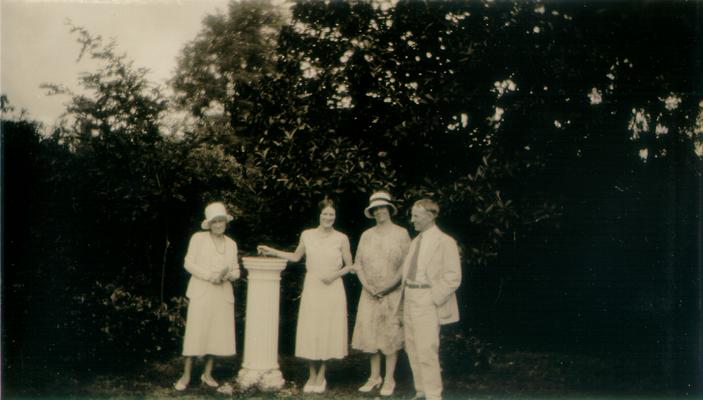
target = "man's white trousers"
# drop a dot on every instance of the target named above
(421, 326)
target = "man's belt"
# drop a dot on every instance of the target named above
(417, 285)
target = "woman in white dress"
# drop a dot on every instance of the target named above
(212, 262)
(321, 332)
(379, 257)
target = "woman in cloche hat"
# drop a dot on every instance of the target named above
(212, 263)
(379, 258)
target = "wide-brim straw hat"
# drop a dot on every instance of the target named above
(380, 199)
(212, 211)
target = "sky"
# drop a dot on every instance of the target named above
(36, 45)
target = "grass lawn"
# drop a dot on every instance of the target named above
(512, 375)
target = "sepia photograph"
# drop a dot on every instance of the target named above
(351, 199)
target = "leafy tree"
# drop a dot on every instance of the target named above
(136, 181)
(113, 200)
(38, 261)
(448, 99)
(546, 131)
(519, 118)
(231, 49)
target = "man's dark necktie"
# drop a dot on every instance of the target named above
(412, 271)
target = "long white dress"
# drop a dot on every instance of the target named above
(210, 320)
(322, 319)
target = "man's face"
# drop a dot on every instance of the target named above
(421, 218)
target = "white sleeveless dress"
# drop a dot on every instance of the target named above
(322, 319)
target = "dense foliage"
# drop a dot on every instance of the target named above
(563, 141)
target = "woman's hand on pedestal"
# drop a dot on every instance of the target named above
(265, 250)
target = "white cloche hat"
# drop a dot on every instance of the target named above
(380, 199)
(212, 211)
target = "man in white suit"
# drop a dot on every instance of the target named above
(431, 275)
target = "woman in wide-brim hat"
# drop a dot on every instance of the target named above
(212, 263)
(379, 257)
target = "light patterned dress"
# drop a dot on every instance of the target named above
(210, 320)
(321, 332)
(377, 326)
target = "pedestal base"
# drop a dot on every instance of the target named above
(260, 364)
(266, 380)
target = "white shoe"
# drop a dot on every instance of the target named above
(180, 386)
(321, 388)
(388, 388)
(209, 381)
(309, 387)
(371, 384)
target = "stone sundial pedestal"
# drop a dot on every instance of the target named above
(260, 365)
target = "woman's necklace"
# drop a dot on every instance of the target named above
(222, 244)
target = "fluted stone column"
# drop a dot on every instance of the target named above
(260, 366)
